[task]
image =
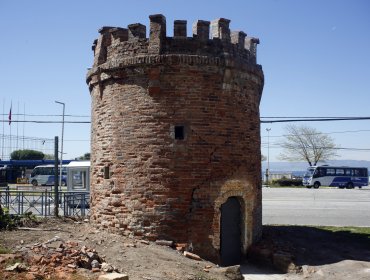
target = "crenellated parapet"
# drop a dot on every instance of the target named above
(210, 41)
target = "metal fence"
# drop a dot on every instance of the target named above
(41, 202)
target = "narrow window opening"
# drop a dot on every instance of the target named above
(179, 132)
(106, 172)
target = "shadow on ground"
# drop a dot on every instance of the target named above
(314, 246)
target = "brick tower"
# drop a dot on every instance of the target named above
(175, 140)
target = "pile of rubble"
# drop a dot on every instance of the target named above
(59, 259)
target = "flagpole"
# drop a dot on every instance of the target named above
(17, 126)
(10, 127)
(3, 138)
(24, 120)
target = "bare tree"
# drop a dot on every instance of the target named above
(308, 144)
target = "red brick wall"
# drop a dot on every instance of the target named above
(160, 187)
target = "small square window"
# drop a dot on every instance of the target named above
(179, 132)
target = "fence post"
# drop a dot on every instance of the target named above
(56, 191)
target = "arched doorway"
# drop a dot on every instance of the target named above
(230, 232)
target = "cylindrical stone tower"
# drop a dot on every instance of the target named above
(176, 136)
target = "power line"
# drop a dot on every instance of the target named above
(28, 138)
(278, 146)
(7, 136)
(35, 121)
(305, 117)
(88, 116)
(334, 132)
(36, 115)
(351, 149)
(77, 140)
(317, 119)
(271, 121)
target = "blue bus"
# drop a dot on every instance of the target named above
(336, 176)
(11, 170)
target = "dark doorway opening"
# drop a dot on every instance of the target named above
(230, 232)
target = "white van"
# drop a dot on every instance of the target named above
(44, 175)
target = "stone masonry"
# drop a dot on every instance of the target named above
(176, 132)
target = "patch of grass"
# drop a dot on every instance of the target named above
(10, 262)
(4, 250)
(358, 230)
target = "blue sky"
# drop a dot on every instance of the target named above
(314, 53)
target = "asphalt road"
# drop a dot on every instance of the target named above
(329, 206)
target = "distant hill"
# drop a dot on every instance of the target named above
(282, 166)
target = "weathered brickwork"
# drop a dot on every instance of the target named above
(175, 132)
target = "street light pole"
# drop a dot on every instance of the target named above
(268, 156)
(61, 148)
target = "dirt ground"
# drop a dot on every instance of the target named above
(139, 260)
(316, 254)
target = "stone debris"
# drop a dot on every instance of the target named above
(164, 243)
(274, 254)
(58, 257)
(106, 267)
(307, 271)
(54, 239)
(113, 276)
(95, 264)
(181, 247)
(18, 267)
(192, 256)
(5, 258)
(283, 261)
(145, 242)
(233, 272)
(132, 245)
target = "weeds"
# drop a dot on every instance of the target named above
(4, 250)
(358, 230)
(10, 221)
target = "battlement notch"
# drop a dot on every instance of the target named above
(220, 29)
(251, 45)
(136, 31)
(119, 34)
(238, 38)
(201, 30)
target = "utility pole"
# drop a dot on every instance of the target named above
(56, 191)
(61, 149)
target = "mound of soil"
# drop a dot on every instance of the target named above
(67, 249)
